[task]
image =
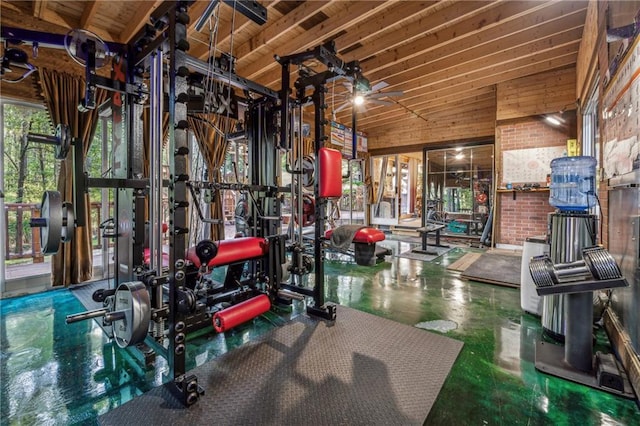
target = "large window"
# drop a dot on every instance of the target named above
(29, 169)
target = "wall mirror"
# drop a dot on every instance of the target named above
(459, 188)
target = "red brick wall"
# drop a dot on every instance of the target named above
(526, 216)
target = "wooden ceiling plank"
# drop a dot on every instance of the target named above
(551, 18)
(138, 20)
(427, 107)
(393, 37)
(488, 64)
(399, 14)
(552, 59)
(426, 110)
(241, 24)
(88, 13)
(527, 66)
(488, 56)
(353, 14)
(481, 59)
(54, 17)
(39, 7)
(280, 28)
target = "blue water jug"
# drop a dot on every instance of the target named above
(573, 183)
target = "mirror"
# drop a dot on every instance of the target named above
(459, 188)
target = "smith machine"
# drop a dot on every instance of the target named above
(157, 300)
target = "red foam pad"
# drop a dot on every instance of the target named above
(242, 312)
(231, 251)
(364, 235)
(330, 172)
(147, 257)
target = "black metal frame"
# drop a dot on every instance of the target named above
(186, 311)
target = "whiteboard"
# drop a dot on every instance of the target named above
(529, 165)
(621, 116)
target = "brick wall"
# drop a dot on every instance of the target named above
(526, 216)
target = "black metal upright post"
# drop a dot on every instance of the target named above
(185, 388)
(319, 122)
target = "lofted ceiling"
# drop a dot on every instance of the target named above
(445, 56)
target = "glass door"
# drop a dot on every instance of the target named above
(459, 186)
(384, 206)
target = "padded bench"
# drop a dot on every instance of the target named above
(364, 244)
(434, 228)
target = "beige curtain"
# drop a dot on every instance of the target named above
(209, 131)
(62, 93)
(368, 185)
(146, 137)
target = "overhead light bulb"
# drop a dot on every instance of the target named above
(553, 120)
(358, 100)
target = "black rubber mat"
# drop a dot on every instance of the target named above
(359, 370)
(83, 293)
(495, 268)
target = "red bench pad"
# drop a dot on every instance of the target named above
(234, 250)
(364, 235)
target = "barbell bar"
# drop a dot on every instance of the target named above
(62, 140)
(130, 316)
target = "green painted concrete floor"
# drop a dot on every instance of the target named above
(53, 373)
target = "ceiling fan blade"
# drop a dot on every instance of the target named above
(341, 107)
(379, 86)
(348, 85)
(385, 94)
(379, 102)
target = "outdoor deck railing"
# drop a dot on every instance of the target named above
(23, 242)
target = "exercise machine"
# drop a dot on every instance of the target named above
(159, 294)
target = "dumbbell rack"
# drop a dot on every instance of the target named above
(577, 281)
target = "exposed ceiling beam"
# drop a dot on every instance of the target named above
(89, 12)
(138, 20)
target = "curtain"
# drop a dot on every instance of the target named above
(209, 131)
(368, 186)
(62, 93)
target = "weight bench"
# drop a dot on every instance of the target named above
(434, 228)
(364, 243)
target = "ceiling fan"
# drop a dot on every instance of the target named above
(362, 93)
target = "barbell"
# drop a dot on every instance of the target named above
(129, 316)
(61, 141)
(56, 222)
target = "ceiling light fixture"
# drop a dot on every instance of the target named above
(358, 100)
(553, 120)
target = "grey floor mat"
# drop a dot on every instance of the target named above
(494, 268)
(358, 370)
(84, 293)
(432, 253)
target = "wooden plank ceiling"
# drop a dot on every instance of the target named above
(445, 56)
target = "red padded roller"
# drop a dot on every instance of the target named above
(330, 172)
(228, 318)
(234, 250)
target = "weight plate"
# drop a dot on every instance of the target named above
(68, 222)
(132, 298)
(63, 141)
(307, 171)
(51, 211)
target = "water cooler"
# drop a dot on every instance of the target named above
(567, 278)
(570, 228)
